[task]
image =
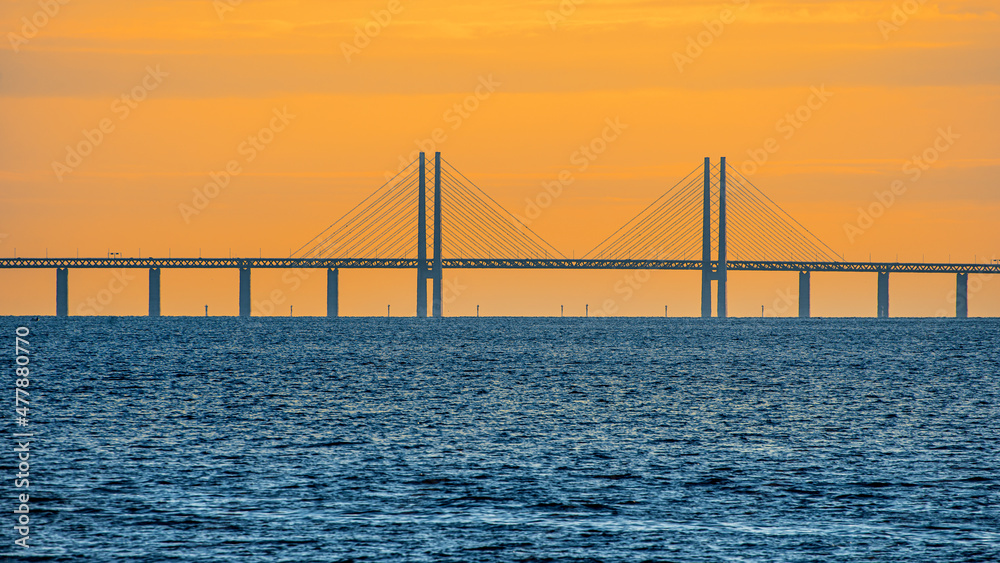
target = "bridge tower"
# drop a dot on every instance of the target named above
(718, 273)
(429, 268)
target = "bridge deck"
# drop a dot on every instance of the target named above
(493, 263)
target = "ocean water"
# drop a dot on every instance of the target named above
(222, 439)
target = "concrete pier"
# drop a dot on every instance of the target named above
(332, 292)
(62, 292)
(962, 296)
(804, 295)
(244, 292)
(883, 294)
(154, 292)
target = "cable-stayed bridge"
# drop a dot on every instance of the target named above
(431, 217)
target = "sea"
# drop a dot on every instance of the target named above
(504, 439)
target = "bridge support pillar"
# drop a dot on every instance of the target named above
(437, 273)
(244, 292)
(883, 295)
(962, 297)
(804, 297)
(332, 292)
(154, 292)
(62, 292)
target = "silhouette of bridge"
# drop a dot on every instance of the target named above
(711, 215)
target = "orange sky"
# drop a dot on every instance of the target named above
(210, 74)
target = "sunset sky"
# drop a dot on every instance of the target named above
(349, 89)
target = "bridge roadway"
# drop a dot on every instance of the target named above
(498, 263)
(711, 270)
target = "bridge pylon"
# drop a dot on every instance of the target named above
(713, 271)
(429, 268)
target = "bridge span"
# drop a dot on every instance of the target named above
(667, 235)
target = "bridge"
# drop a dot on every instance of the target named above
(714, 212)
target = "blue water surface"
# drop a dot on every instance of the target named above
(493, 439)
